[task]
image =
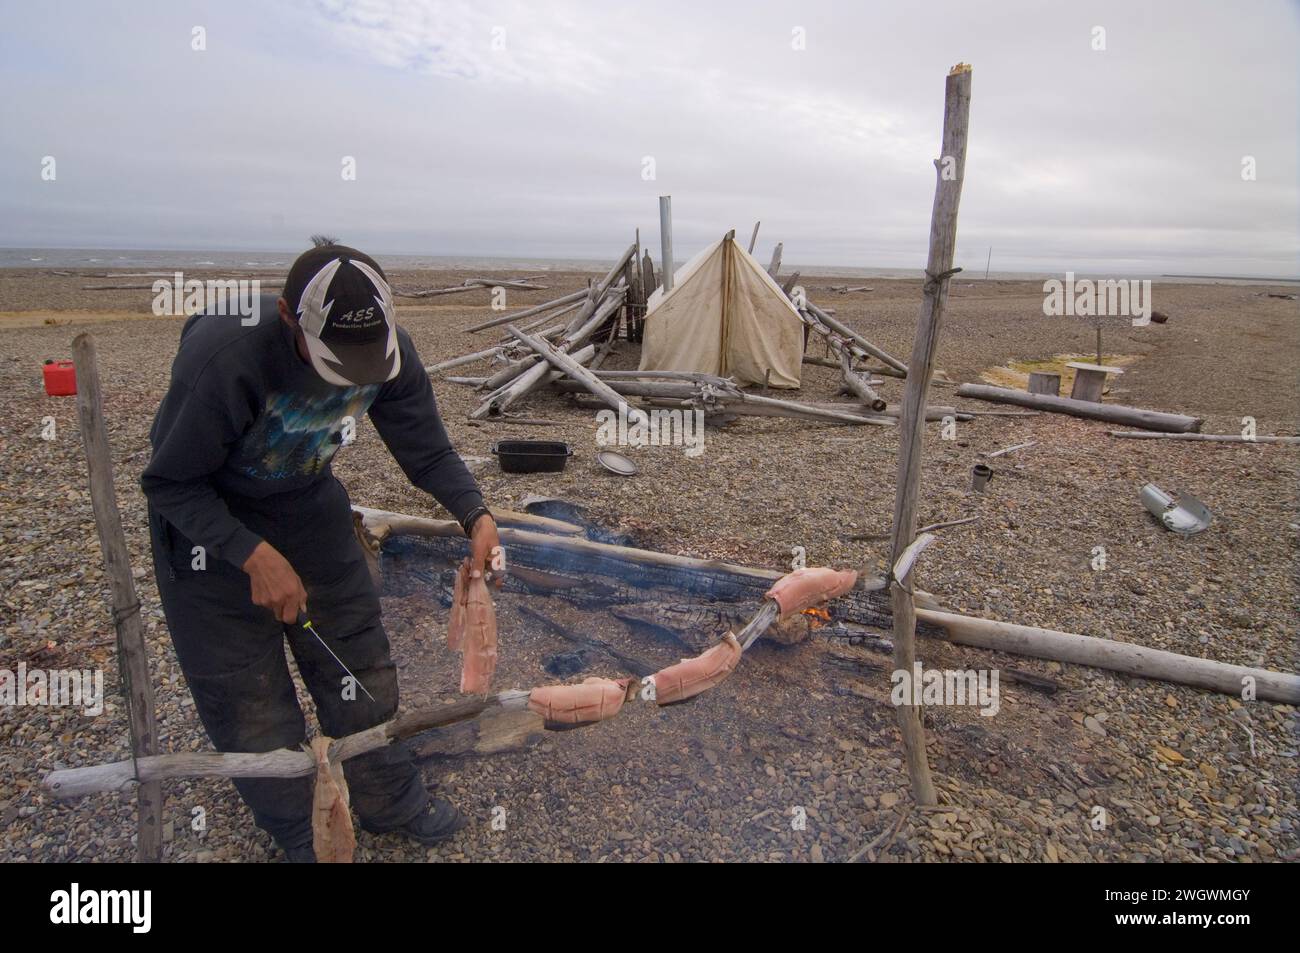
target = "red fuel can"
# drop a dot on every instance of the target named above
(60, 378)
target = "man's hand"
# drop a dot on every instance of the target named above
(482, 543)
(275, 585)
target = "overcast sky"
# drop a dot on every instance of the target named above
(524, 129)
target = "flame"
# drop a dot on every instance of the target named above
(817, 616)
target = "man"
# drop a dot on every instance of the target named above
(252, 533)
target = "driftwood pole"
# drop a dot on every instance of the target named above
(1111, 413)
(949, 170)
(132, 655)
(775, 265)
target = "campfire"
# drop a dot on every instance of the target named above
(817, 616)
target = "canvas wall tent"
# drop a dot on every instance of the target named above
(725, 315)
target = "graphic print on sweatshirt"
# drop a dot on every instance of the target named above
(297, 434)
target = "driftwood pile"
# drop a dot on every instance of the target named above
(567, 340)
(529, 358)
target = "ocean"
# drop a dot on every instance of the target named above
(121, 262)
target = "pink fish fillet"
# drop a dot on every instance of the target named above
(692, 676)
(594, 700)
(331, 821)
(456, 621)
(805, 588)
(480, 649)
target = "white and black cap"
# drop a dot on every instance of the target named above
(345, 309)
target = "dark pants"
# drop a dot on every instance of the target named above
(232, 654)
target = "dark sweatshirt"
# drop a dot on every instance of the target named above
(245, 416)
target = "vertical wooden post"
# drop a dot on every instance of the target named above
(131, 649)
(950, 170)
(640, 292)
(666, 241)
(753, 239)
(648, 285)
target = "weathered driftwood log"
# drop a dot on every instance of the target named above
(602, 353)
(499, 401)
(1207, 437)
(678, 390)
(470, 358)
(508, 373)
(517, 359)
(831, 362)
(1114, 413)
(133, 655)
(755, 405)
(492, 732)
(530, 521)
(615, 273)
(911, 425)
(775, 265)
(575, 297)
(835, 342)
(695, 376)
(724, 399)
(825, 317)
(586, 378)
(1115, 656)
(437, 292)
(932, 412)
(935, 412)
(507, 378)
(883, 370)
(544, 319)
(287, 763)
(473, 284)
(858, 385)
(514, 365)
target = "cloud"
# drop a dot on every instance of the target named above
(521, 128)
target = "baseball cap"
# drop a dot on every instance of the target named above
(345, 309)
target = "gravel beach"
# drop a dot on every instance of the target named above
(796, 757)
